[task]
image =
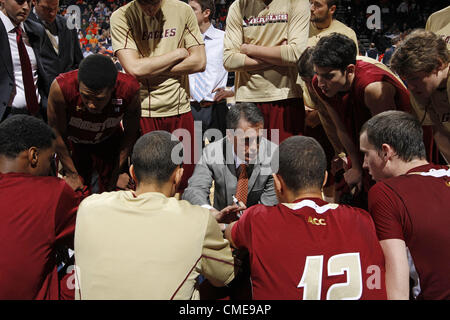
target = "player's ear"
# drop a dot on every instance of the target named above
(33, 157)
(387, 152)
(133, 174)
(277, 182)
(207, 13)
(441, 66)
(325, 178)
(176, 177)
(350, 69)
(332, 9)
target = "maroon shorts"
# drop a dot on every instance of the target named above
(170, 124)
(102, 157)
(288, 116)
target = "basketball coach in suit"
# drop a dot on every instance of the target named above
(60, 51)
(23, 81)
(239, 164)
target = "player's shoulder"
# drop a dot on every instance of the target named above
(342, 28)
(52, 186)
(119, 12)
(126, 79)
(438, 19)
(176, 4)
(350, 213)
(67, 77)
(50, 180)
(186, 206)
(260, 210)
(99, 199)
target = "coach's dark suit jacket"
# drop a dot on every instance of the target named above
(35, 33)
(69, 53)
(217, 164)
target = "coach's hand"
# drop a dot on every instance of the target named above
(228, 214)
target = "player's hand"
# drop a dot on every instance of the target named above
(124, 181)
(74, 181)
(312, 118)
(182, 53)
(247, 48)
(228, 214)
(222, 93)
(353, 178)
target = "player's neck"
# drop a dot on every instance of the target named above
(402, 167)
(323, 24)
(349, 82)
(166, 189)
(20, 164)
(444, 79)
(204, 26)
(291, 197)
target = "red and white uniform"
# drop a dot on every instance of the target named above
(91, 128)
(415, 208)
(311, 249)
(95, 138)
(37, 215)
(351, 105)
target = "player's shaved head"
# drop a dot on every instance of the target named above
(302, 163)
(155, 157)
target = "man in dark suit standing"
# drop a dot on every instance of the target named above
(60, 50)
(23, 81)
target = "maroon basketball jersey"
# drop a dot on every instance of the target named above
(313, 250)
(351, 107)
(415, 208)
(90, 128)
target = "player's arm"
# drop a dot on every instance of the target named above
(227, 234)
(56, 114)
(353, 176)
(195, 62)
(131, 134)
(289, 50)
(233, 58)
(145, 67)
(397, 269)
(380, 97)
(270, 55)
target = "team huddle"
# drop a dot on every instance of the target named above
(327, 178)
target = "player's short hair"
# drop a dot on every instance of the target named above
(21, 132)
(97, 72)
(244, 110)
(302, 163)
(207, 4)
(305, 64)
(331, 3)
(155, 156)
(335, 51)
(421, 51)
(401, 130)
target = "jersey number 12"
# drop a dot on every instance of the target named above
(311, 281)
